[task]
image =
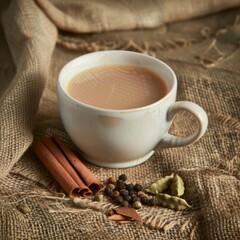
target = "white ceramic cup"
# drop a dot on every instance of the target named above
(124, 138)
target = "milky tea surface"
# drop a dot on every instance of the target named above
(117, 87)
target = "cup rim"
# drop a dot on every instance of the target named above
(88, 106)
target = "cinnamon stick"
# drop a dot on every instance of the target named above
(56, 152)
(90, 180)
(57, 170)
(71, 174)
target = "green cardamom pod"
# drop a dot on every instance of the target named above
(98, 197)
(161, 185)
(172, 202)
(177, 186)
(24, 208)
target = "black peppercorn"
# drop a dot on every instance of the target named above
(135, 198)
(122, 177)
(152, 202)
(137, 187)
(124, 192)
(120, 185)
(119, 199)
(131, 193)
(115, 193)
(129, 186)
(108, 191)
(127, 198)
(144, 200)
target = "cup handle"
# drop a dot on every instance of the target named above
(174, 141)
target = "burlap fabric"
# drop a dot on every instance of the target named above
(203, 51)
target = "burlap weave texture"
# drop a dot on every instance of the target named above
(204, 53)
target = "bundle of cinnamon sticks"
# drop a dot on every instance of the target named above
(68, 170)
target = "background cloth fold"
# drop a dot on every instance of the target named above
(198, 39)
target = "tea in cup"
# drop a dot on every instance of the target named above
(117, 107)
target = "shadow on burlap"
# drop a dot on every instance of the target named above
(204, 52)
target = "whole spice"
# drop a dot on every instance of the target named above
(123, 177)
(137, 204)
(98, 197)
(161, 185)
(129, 186)
(24, 208)
(119, 199)
(172, 202)
(152, 201)
(68, 170)
(144, 200)
(138, 187)
(127, 198)
(112, 180)
(120, 185)
(135, 198)
(108, 191)
(131, 193)
(111, 186)
(134, 195)
(115, 194)
(88, 177)
(177, 186)
(124, 192)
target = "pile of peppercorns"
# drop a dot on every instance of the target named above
(127, 194)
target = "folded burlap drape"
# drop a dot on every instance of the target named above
(38, 37)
